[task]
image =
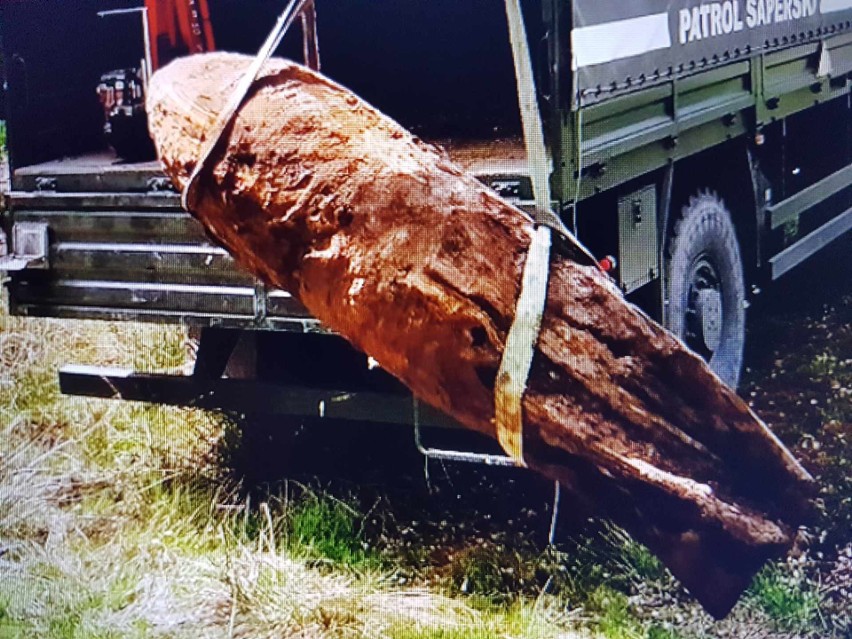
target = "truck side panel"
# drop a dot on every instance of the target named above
(635, 133)
(620, 46)
(137, 256)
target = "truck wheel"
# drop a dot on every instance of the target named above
(706, 292)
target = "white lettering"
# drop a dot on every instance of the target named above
(722, 17)
(738, 23)
(705, 20)
(796, 9)
(715, 19)
(685, 21)
(695, 27)
(728, 17)
(751, 14)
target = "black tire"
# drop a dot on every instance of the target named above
(705, 286)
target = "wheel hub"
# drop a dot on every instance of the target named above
(709, 308)
(704, 310)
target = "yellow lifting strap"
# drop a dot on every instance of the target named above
(520, 347)
(513, 374)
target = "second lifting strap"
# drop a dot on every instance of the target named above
(520, 345)
(515, 365)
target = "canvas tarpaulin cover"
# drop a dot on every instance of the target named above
(616, 44)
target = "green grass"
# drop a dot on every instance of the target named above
(632, 561)
(542, 618)
(9, 628)
(659, 632)
(492, 574)
(321, 527)
(614, 618)
(823, 365)
(789, 600)
(610, 558)
(121, 520)
(441, 633)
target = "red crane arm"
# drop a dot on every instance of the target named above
(178, 27)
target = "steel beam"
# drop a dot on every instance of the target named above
(247, 396)
(790, 209)
(800, 251)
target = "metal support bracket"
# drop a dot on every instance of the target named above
(467, 457)
(205, 390)
(440, 454)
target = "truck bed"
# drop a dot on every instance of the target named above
(100, 171)
(104, 162)
(121, 247)
(488, 158)
(103, 170)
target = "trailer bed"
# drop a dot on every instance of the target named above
(99, 162)
(119, 245)
(100, 171)
(483, 157)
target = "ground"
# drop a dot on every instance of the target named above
(124, 520)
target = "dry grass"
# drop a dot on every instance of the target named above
(115, 520)
(119, 520)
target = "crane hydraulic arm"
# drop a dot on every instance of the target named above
(178, 27)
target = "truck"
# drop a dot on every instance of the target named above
(699, 149)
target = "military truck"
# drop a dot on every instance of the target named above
(699, 149)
